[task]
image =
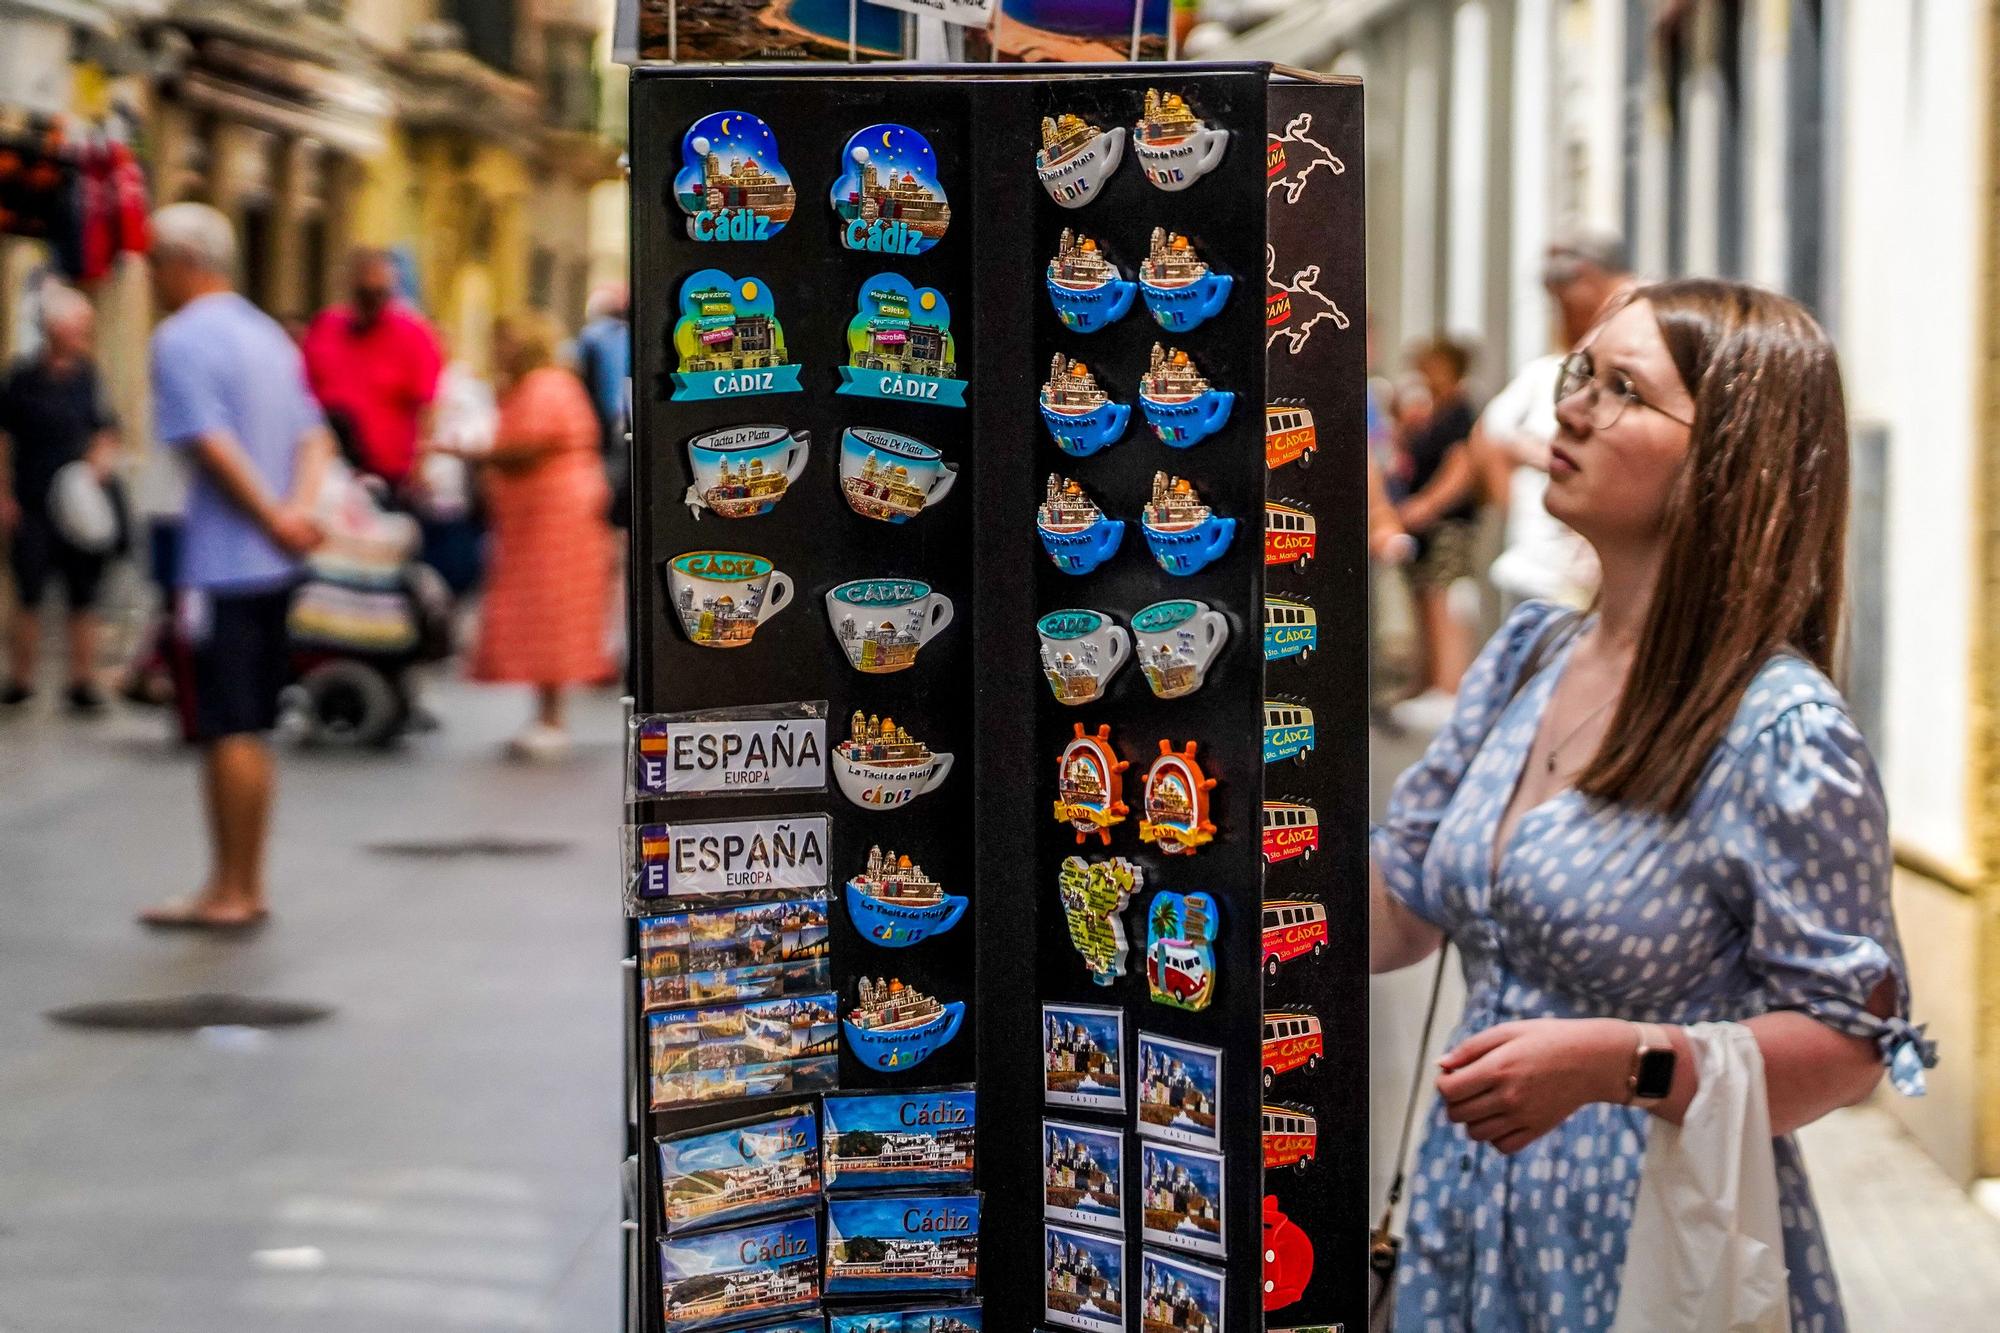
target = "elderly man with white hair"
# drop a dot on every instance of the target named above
(53, 413)
(230, 398)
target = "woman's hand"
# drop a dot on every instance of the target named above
(1514, 1082)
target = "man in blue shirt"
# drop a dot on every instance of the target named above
(604, 360)
(230, 400)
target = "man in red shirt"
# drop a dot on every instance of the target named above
(374, 364)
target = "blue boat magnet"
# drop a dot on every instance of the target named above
(1074, 531)
(1180, 289)
(1174, 146)
(729, 340)
(899, 345)
(1184, 534)
(898, 1027)
(888, 195)
(1079, 414)
(1076, 158)
(893, 903)
(731, 184)
(1179, 404)
(1085, 287)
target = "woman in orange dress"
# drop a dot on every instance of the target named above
(549, 564)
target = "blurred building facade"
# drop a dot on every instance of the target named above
(1839, 150)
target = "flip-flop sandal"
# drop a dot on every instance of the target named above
(183, 914)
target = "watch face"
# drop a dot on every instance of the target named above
(1656, 1074)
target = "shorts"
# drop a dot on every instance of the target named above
(232, 659)
(1446, 556)
(41, 552)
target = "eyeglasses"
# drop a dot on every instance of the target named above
(1604, 402)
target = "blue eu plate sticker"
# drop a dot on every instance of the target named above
(1184, 534)
(1180, 289)
(888, 195)
(731, 184)
(899, 344)
(1074, 531)
(1079, 414)
(1085, 287)
(1182, 407)
(729, 341)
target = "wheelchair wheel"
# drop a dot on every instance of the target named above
(349, 703)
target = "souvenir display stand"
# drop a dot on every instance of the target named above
(1064, 814)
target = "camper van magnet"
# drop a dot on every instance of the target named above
(1180, 950)
(1180, 1195)
(1076, 158)
(893, 903)
(895, 1027)
(1085, 287)
(880, 766)
(902, 1242)
(893, 1140)
(1083, 1056)
(888, 195)
(1094, 895)
(1176, 802)
(1180, 290)
(1080, 416)
(740, 1171)
(731, 184)
(744, 471)
(1179, 403)
(1291, 534)
(1083, 1279)
(764, 1268)
(1184, 535)
(1083, 1175)
(1174, 146)
(899, 345)
(1090, 785)
(1074, 531)
(1179, 1092)
(729, 341)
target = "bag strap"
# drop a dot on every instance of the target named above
(1556, 632)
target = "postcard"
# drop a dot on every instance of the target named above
(740, 1171)
(1083, 1056)
(900, 1140)
(724, 955)
(1083, 1280)
(787, 1045)
(1176, 1296)
(764, 1268)
(910, 1319)
(1083, 1175)
(902, 1242)
(1180, 1092)
(1180, 1197)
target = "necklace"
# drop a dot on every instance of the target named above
(1555, 751)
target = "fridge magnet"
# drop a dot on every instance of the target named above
(1094, 895)
(745, 470)
(1180, 1195)
(897, 1027)
(722, 597)
(1178, 1097)
(1294, 928)
(1180, 290)
(1180, 950)
(893, 903)
(1074, 531)
(1292, 1040)
(675, 860)
(1289, 434)
(880, 766)
(1080, 415)
(1288, 1257)
(1184, 534)
(899, 345)
(1081, 651)
(881, 623)
(1076, 158)
(1083, 1056)
(1174, 146)
(729, 1052)
(731, 184)
(766, 1268)
(1090, 785)
(1290, 1137)
(1084, 1276)
(740, 1171)
(806, 1323)
(1083, 1175)
(1291, 830)
(773, 747)
(729, 341)
(1179, 1297)
(888, 195)
(1176, 803)
(1289, 731)
(1085, 287)
(908, 1242)
(1291, 629)
(891, 477)
(1177, 640)
(1178, 403)
(915, 1319)
(1291, 536)
(725, 955)
(878, 1141)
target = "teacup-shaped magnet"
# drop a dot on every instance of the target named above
(731, 184)
(722, 597)
(1175, 147)
(897, 1026)
(1075, 532)
(1180, 290)
(744, 470)
(899, 344)
(1086, 288)
(891, 477)
(1184, 533)
(1081, 651)
(893, 903)
(729, 341)
(1076, 158)
(1079, 414)
(888, 195)
(881, 767)
(881, 623)
(1177, 641)
(1179, 404)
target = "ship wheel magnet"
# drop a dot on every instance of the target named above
(1094, 895)
(1090, 785)
(1176, 802)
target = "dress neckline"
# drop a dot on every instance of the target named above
(1546, 680)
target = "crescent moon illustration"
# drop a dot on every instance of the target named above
(885, 138)
(725, 126)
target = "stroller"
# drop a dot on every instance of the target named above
(368, 612)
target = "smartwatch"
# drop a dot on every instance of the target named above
(1652, 1074)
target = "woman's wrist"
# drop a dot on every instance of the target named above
(1615, 1043)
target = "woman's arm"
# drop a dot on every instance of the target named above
(1397, 936)
(1456, 481)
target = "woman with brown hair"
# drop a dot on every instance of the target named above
(549, 563)
(1655, 815)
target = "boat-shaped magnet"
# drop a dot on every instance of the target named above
(897, 1027)
(893, 903)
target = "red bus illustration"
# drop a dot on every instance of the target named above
(1291, 537)
(1291, 1138)
(1292, 930)
(1291, 829)
(1291, 1041)
(1289, 434)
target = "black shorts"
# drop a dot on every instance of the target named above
(41, 552)
(233, 659)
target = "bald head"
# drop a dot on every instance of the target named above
(1582, 272)
(67, 323)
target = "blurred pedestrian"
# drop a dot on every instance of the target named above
(462, 428)
(549, 566)
(230, 398)
(1437, 508)
(604, 359)
(53, 413)
(374, 365)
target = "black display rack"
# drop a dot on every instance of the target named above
(1281, 214)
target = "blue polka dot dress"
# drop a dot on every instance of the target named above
(1770, 892)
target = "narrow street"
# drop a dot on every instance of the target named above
(439, 1154)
